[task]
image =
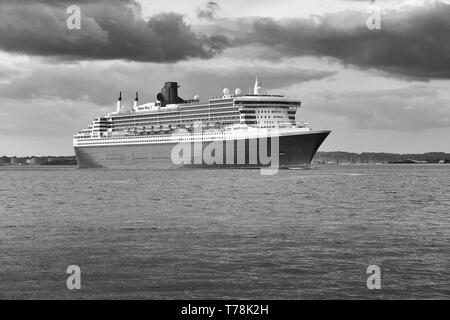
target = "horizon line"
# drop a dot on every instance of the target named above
(361, 152)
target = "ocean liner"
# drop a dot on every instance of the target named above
(234, 130)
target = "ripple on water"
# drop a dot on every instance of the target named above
(226, 233)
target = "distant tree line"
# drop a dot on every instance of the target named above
(380, 157)
(320, 157)
(43, 160)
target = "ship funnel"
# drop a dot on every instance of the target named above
(169, 94)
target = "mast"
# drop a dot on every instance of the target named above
(257, 87)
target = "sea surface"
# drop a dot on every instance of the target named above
(226, 234)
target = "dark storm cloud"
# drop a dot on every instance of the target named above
(413, 41)
(109, 30)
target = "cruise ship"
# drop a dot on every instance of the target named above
(234, 130)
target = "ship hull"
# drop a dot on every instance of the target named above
(292, 150)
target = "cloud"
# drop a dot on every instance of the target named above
(413, 108)
(39, 99)
(413, 41)
(46, 116)
(87, 79)
(109, 30)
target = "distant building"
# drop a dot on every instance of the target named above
(18, 161)
(36, 161)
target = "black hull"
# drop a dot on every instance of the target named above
(294, 151)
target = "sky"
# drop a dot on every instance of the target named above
(382, 89)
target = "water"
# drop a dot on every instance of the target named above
(192, 234)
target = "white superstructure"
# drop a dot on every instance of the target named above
(231, 116)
